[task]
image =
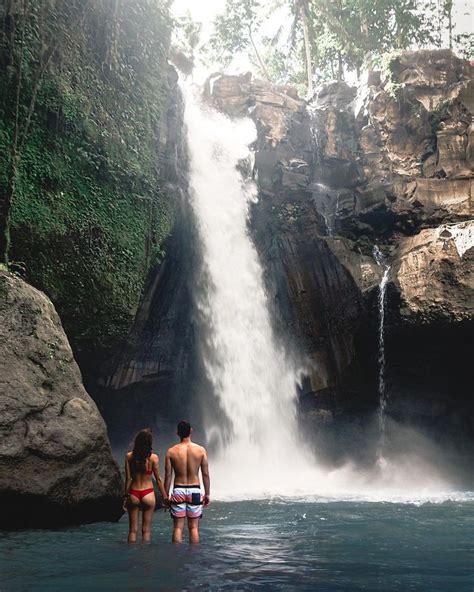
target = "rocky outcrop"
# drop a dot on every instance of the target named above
(435, 274)
(284, 144)
(390, 166)
(414, 139)
(56, 465)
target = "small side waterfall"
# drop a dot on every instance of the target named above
(383, 398)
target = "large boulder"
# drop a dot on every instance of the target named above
(56, 465)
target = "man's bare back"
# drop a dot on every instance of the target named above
(185, 459)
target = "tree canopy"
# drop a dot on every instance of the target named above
(323, 40)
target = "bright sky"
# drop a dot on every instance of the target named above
(205, 10)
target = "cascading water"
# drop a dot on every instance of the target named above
(379, 258)
(253, 426)
(250, 372)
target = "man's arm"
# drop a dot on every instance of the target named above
(206, 479)
(168, 473)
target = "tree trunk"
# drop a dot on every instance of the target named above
(7, 192)
(111, 58)
(440, 20)
(307, 44)
(448, 8)
(6, 198)
(259, 58)
(340, 67)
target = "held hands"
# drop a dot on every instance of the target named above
(206, 500)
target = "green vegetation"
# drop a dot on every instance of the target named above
(324, 40)
(234, 31)
(83, 95)
(385, 63)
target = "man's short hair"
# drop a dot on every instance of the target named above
(184, 429)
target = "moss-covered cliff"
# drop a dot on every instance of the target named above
(89, 211)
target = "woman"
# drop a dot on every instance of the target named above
(140, 465)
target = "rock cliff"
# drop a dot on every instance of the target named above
(150, 374)
(390, 165)
(56, 465)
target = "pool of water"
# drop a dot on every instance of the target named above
(258, 545)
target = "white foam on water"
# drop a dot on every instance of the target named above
(259, 452)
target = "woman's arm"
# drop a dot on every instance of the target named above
(128, 483)
(168, 472)
(159, 482)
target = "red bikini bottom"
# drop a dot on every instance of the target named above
(139, 493)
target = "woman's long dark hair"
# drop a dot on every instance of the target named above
(142, 449)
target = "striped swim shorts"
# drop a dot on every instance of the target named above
(186, 501)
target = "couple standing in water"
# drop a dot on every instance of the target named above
(186, 502)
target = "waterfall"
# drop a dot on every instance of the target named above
(250, 417)
(379, 258)
(255, 425)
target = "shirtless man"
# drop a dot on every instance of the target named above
(185, 459)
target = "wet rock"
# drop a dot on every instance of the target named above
(455, 157)
(337, 95)
(441, 198)
(284, 147)
(230, 94)
(435, 275)
(345, 172)
(56, 465)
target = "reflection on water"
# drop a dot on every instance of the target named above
(265, 545)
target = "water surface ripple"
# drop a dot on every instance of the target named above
(259, 545)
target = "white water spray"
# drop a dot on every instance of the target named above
(259, 453)
(379, 258)
(251, 374)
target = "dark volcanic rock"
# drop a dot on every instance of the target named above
(56, 465)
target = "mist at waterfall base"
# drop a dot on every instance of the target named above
(250, 417)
